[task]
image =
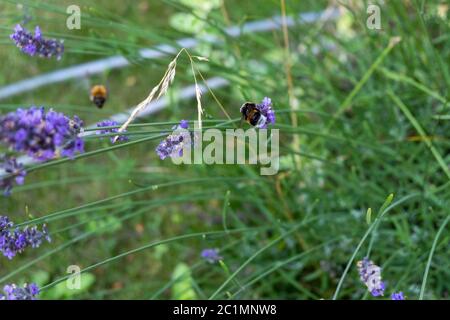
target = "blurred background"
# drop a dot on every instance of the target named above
(359, 92)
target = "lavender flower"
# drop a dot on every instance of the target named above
(13, 292)
(397, 296)
(42, 135)
(36, 45)
(211, 255)
(266, 110)
(14, 241)
(14, 172)
(110, 123)
(370, 274)
(5, 223)
(172, 145)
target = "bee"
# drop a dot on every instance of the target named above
(98, 95)
(253, 115)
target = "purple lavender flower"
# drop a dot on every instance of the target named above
(36, 45)
(5, 223)
(397, 296)
(14, 172)
(266, 110)
(211, 255)
(13, 292)
(370, 274)
(184, 124)
(14, 241)
(42, 135)
(110, 123)
(172, 146)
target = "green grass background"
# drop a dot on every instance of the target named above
(369, 125)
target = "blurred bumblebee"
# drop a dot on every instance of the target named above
(253, 115)
(98, 95)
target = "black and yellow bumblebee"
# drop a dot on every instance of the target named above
(98, 95)
(253, 115)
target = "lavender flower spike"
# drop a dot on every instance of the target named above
(370, 274)
(40, 134)
(110, 123)
(15, 172)
(211, 255)
(397, 296)
(36, 45)
(13, 292)
(172, 146)
(14, 241)
(266, 109)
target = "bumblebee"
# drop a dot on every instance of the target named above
(98, 95)
(253, 115)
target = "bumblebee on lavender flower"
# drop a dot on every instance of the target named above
(258, 115)
(253, 115)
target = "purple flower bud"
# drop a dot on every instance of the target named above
(16, 241)
(397, 296)
(184, 124)
(211, 255)
(111, 123)
(370, 274)
(267, 110)
(37, 33)
(172, 146)
(14, 172)
(13, 292)
(42, 135)
(36, 45)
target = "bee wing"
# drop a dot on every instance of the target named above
(262, 121)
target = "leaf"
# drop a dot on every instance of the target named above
(386, 203)
(183, 289)
(369, 215)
